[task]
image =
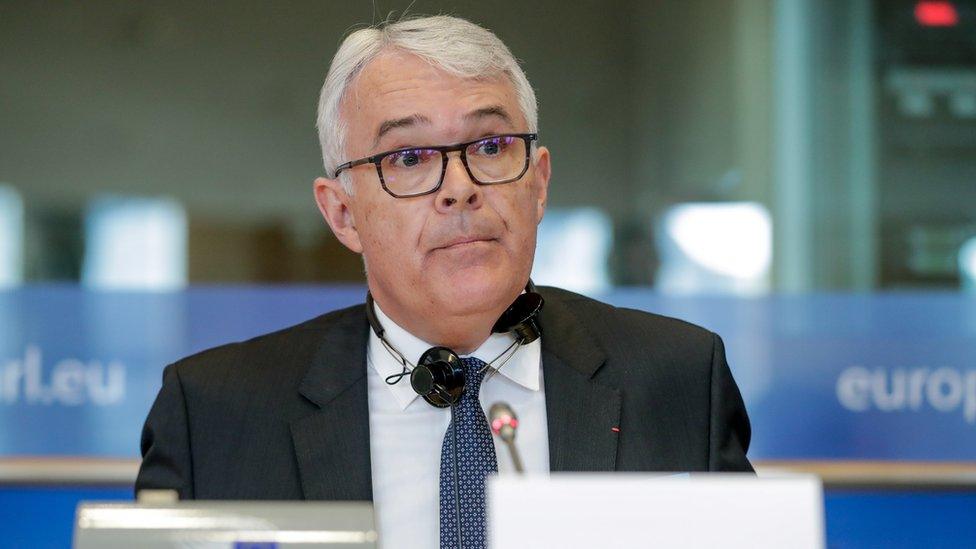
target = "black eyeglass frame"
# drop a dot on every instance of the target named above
(377, 160)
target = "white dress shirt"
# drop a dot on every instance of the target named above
(406, 433)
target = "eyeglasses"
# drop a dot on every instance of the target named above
(416, 171)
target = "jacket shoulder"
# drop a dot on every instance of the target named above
(282, 352)
(608, 321)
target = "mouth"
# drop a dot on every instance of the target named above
(464, 241)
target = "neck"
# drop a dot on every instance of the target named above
(462, 333)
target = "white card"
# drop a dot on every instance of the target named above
(643, 510)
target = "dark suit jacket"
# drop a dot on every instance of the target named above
(285, 415)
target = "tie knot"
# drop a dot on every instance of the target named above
(474, 373)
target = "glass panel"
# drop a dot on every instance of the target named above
(573, 248)
(11, 237)
(722, 248)
(135, 243)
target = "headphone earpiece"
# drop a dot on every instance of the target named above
(521, 318)
(439, 377)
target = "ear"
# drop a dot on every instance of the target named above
(543, 170)
(334, 204)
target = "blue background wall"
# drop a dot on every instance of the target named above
(887, 377)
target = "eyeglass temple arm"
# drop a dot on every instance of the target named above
(342, 167)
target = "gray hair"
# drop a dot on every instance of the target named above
(452, 44)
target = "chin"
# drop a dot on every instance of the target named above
(478, 290)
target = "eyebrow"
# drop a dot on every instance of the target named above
(487, 112)
(405, 122)
(417, 119)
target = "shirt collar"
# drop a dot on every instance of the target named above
(522, 368)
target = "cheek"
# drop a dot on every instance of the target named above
(519, 214)
(387, 236)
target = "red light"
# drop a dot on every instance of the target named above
(498, 423)
(936, 13)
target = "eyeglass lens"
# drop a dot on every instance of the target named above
(490, 160)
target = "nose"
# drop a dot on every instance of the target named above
(458, 191)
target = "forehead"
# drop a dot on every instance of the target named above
(397, 85)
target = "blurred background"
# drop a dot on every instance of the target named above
(797, 175)
(834, 139)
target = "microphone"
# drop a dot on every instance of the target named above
(503, 425)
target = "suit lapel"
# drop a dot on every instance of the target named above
(581, 412)
(332, 445)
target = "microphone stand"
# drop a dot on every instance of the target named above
(516, 460)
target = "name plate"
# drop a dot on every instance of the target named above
(638, 510)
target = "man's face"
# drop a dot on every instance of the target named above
(466, 249)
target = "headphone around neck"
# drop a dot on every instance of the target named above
(438, 376)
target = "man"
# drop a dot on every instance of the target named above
(447, 235)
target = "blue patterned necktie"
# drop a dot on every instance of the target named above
(475, 459)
